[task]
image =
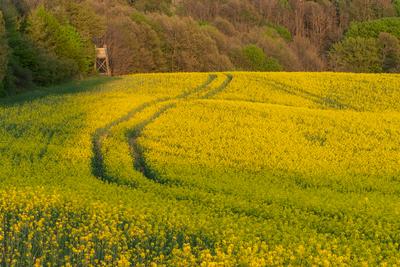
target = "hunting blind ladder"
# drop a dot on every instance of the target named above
(102, 64)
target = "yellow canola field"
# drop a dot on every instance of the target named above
(345, 149)
(359, 92)
(198, 169)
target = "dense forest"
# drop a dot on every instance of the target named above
(44, 42)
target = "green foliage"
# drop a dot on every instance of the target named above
(390, 47)
(43, 50)
(372, 29)
(3, 54)
(280, 30)
(256, 60)
(139, 17)
(284, 3)
(89, 25)
(357, 55)
(204, 23)
(371, 46)
(397, 6)
(22, 54)
(61, 39)
(48, 45)
(84, 19)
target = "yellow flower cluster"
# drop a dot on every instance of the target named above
(342, 150)
(248, 169)
(40, 227)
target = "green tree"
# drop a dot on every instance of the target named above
(85, 20)
(255, 59)
(275, 29)
(390, 47)
(60, 39)
(372, 29)
(21, 52)
(356, 55)
(3, 54)
(88, 24)
(397, 6)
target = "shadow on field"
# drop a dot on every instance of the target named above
(72, 87)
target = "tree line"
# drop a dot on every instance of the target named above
(44, 42)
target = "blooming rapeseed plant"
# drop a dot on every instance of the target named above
(262, 169)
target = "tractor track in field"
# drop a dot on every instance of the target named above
(317, 99)
(137, 151)
(97, 163)
(228, 80)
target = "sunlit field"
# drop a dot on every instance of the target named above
(212, 169)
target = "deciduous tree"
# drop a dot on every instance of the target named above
(3, 53)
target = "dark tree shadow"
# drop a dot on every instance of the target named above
(72, 87)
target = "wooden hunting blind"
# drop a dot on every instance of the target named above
(102, 63)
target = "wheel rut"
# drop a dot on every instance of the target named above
(137, 150)
(97, 162)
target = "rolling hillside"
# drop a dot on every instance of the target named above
(211, 169)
